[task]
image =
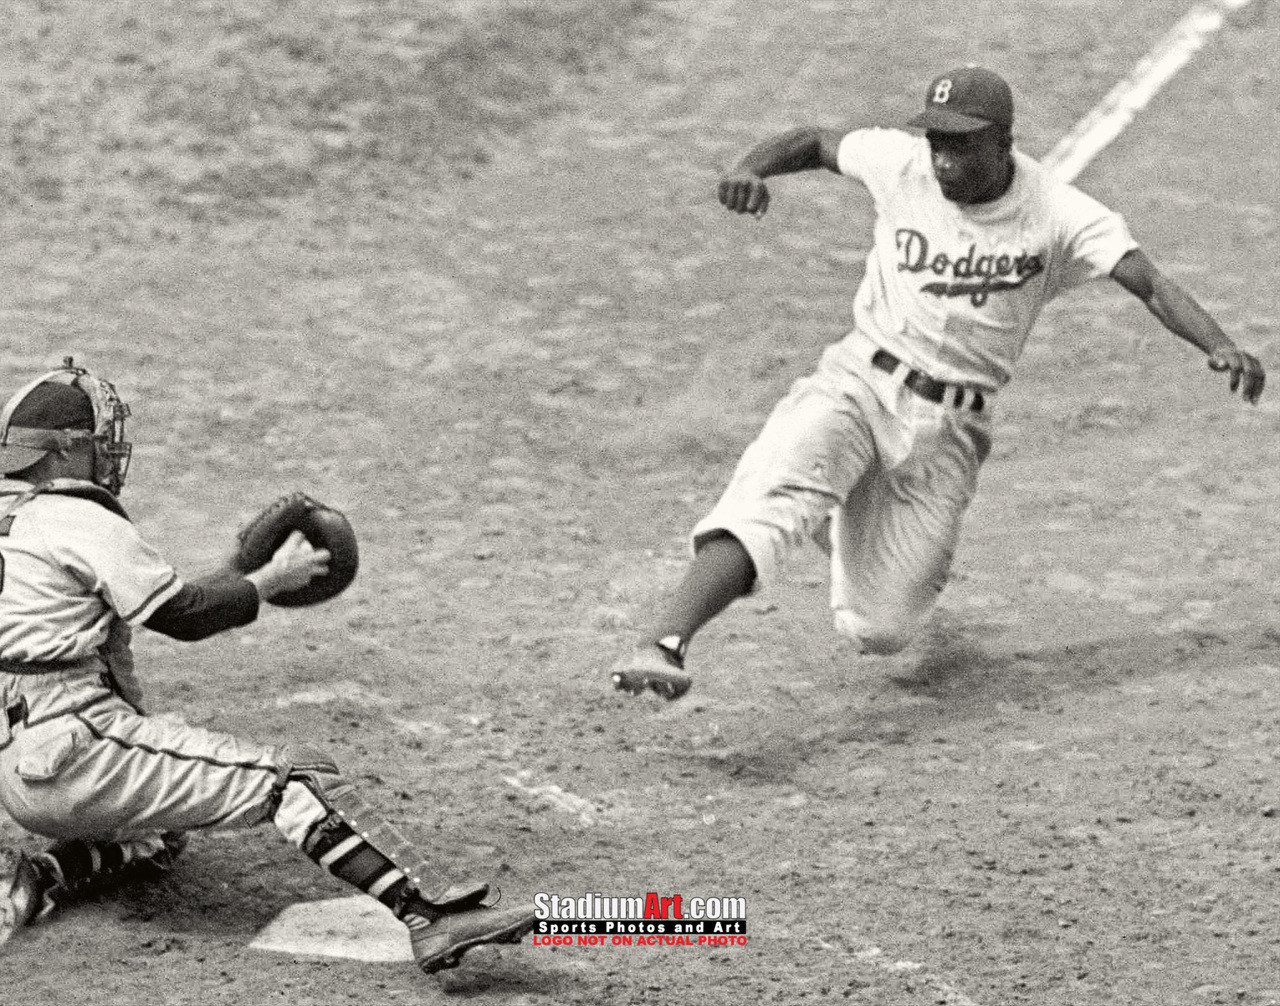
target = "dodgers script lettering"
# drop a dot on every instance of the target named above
(971, 275)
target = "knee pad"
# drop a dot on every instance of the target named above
(879, 639)
(308, 766)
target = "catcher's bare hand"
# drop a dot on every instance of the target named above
(1247, 375)
(294, 565)
(744, 192)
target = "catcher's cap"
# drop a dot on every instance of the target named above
(964, 100)
(33, 422)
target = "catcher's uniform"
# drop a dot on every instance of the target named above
(80, 762)
(888, 434)
(77, 578)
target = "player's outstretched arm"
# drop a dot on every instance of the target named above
(742, 188)
(229, 599)
(1178, 311)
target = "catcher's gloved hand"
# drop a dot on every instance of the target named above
(326, 529)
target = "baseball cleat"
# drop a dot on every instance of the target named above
(652, 667)
(442, 944)
(28, 899)
(175, 844)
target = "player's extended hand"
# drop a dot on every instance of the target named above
(295, 564)
(1247, 375)
(744, 192)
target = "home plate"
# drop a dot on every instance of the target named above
(356, 928)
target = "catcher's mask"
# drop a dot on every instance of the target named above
(60, 410)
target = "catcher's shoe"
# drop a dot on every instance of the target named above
(652, 666)
(175, 844)
(439, 945)
(30, 896)
(146, 869)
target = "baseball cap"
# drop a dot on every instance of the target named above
(45, 406)
(965, 99)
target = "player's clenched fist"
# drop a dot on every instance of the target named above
(744, 192)
(1247, 374)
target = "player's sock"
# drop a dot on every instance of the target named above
(337, 848)
(721, 572)
(358, 845)
(77, 863)
(80, 862)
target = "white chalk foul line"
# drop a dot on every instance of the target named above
(1113, 113)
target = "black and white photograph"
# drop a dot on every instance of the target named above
(643, 502)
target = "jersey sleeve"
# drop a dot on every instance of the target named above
(876, 156)
(1093, 238)
(108, 555)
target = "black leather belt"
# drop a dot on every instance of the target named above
(938, 392)
(16, 713)
(38, 666)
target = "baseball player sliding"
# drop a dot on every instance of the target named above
(79, 761)
(972, 238)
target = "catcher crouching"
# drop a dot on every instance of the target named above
(81, 763)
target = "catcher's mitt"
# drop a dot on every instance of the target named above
(323, 526)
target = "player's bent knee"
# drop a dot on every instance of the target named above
(882, 639)
(306, 763)
(297, 798)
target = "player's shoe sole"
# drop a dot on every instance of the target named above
(648, 668)
(441, 945)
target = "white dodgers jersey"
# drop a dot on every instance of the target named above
(954, 289)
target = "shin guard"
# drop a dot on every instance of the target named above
(346, 836)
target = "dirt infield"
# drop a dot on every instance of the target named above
(464, 277)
